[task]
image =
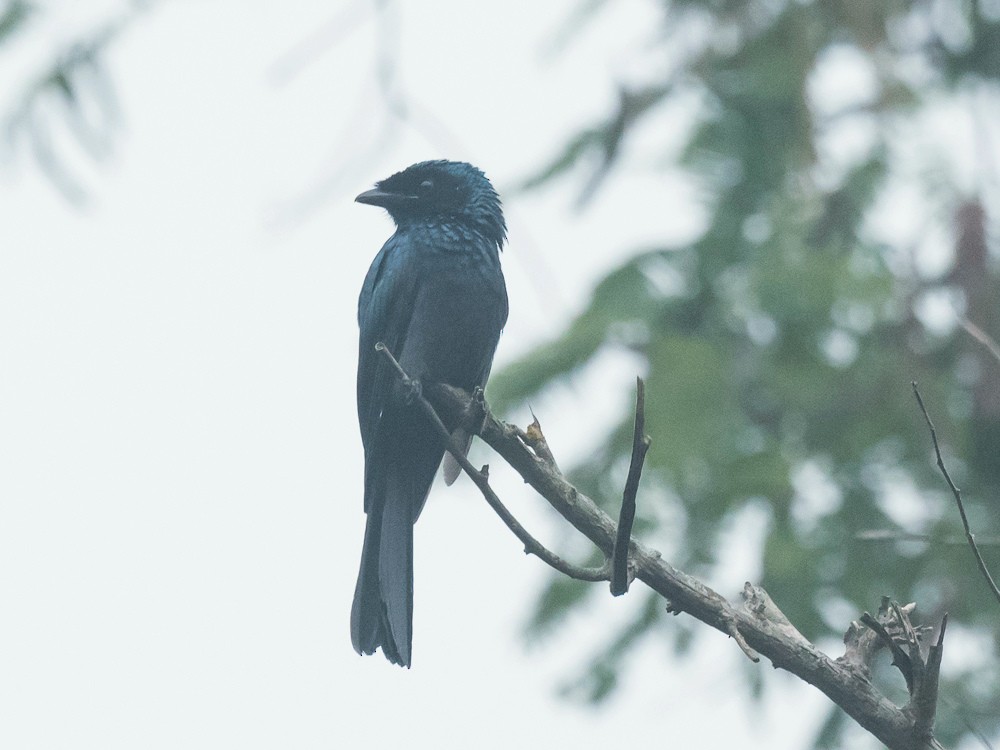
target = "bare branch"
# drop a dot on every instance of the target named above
(764, 630)
(758, 627)
(958, 498)
(734, 633)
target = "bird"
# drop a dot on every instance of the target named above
(435, 296)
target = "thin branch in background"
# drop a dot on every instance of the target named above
(371, 130)
(980, 335)
(958, 498)
(583, 14)
(960, 711)
(384, 111)
(403, 107)
(985, 154)
(481, 479)
(311, 47)
(620, 577)
(39, 138)
(895, 535)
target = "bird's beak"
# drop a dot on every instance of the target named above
(376, 197)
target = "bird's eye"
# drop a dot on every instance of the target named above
(426, 187)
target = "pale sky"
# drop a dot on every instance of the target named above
(180, 466)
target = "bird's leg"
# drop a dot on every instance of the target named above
(477, 405)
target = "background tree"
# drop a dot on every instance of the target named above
(778, 348)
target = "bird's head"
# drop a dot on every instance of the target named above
(446, 192)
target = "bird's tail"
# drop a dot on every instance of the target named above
(382, 614)
(452, 469)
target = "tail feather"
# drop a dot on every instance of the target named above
(396, 579)
(382, 614)
(452, 469)
(399, 470)
(365, 612)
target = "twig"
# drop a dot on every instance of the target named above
(626, 518)
(894, 535)
(958, 498)
(900, 658)
(531, 545)
(535, 438)
(734, 633)
(980, 335)
(319, 40)
(926, 699)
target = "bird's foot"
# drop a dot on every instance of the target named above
(412, 390)
(479, 408)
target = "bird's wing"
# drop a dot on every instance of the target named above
(384, 313)
(452, 469)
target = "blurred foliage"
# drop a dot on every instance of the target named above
(779, 347)
(13, 16)
(71, 94)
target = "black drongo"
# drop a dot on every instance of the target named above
(435, 295)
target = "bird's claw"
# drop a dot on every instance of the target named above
(412, 390)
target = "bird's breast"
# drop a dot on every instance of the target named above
(459, 310)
